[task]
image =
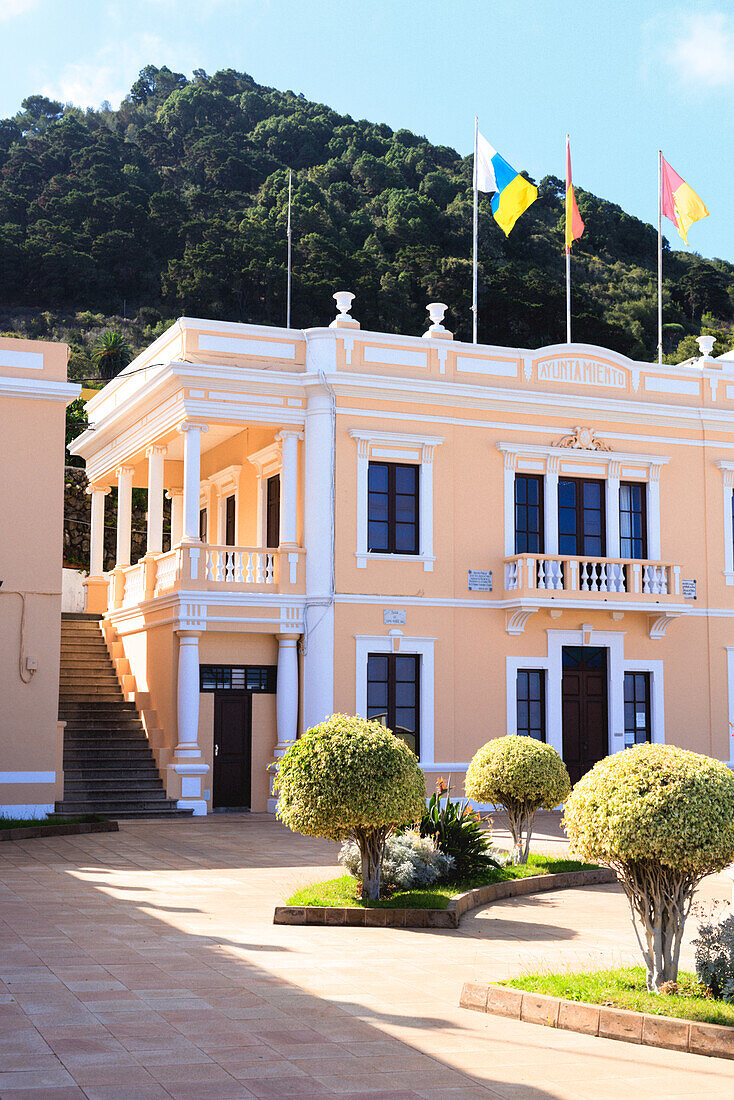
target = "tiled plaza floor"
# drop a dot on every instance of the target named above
(144, 964)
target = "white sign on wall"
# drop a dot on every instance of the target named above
(688, 588)
(393, 618)
(480, 580)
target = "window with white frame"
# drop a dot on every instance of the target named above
(398, 690)
(547, 510)
(394, 496)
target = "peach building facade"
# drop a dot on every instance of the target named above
(460, 540)
(34, 394)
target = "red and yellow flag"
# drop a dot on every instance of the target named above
(574, 224)
(680, 202)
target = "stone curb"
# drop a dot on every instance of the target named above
(59, 830)
(440, 918)
(714, 1040)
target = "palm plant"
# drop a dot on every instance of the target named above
(111, 353)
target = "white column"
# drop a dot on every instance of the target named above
(286, 704)
(188, 763)
(289, 487)
(613, 549)
(124, 475)
(551, 506)
(653, 514)
(426, 506)
(510, 460)
(96, 533)
(192, 476)
(155, 456)
(176, 498)
(318, 683)
(287, 689)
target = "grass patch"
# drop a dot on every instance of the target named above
(340, 892)
(624, 987)
(52, 819)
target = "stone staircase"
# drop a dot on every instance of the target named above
(108, 763)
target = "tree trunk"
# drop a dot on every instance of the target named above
(372, 848)
(521, 829)
(660, 900)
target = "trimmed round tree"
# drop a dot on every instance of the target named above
(520, 775)
(350, 778)
(662, 818)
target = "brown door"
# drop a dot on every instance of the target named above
(584, 693)
(272, 537)
(230, 538)
(232, 749)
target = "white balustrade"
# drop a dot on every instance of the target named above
(167, 571)
(542, 573)
(235, 565)
(134, 590)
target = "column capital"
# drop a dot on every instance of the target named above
(289, 433)
(284, 639)
(94, 488)
(175, 492)
(192, 426)
(188, 633)
(156, 449)
(124, 471)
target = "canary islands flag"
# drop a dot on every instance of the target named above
(680, 202)
(513, 194)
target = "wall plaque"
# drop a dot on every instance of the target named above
(393, 618)
(688, 588)
(480, 580)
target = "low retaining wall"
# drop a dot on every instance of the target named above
(59, 830)
(440, 918)
(607, 1023)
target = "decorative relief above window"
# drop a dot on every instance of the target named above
(583, 439)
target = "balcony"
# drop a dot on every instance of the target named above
(621, 580)
(206, 568)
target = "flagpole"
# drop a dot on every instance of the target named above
(568, 260)
(475, 235)
(660, 255)
(288, 306)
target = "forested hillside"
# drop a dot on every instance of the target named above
(176, 203)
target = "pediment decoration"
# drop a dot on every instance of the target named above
(583, 439)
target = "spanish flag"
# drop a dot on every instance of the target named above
(680, 202)
(574, 224)
(513, 193)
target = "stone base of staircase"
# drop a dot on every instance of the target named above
(108, 762)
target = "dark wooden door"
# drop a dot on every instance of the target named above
(584, 695)
(232, 749)
(272, 535)
(230, 537)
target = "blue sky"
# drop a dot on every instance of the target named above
(624, 78)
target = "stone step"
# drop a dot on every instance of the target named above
(164, 812)
(105, 788)
(100, 726)
(92, 694)
(115, 808)
(132, 769)
(106, 745)
(101, 710)
(120, 758)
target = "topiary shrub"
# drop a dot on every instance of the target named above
(410, 861)
(662, 818)
(350, 778)
(520, 775)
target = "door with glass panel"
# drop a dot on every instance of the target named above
(581, 528)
